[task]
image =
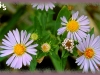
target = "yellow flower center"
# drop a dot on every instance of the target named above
(72, 26)
(19, 49)
(89, 53)
(45, 47)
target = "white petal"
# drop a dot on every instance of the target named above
(19, 63)
(95, 40)
(39, 6)
(77, 36)
(7, 42)
(10, 40)
(9, 61)
(17, 36)
(64, 19)
(13, 64)
(7, 53)
(80, 18)
(5, 47)
(35, 45)
(51, 5)
(42, 6)
(95, 65)
(34, 5)
(97, 56)
(81, 61)
(84, 43)
(79, 48)
(87, 40)
(28, 58)
(72, 36)
(82, 46)
(91, 40)
(46, 7)
(27, 38)
(85, 27)
(86, 66)
(28, 43)
(24, 60)
(11, 37)
(82, 34)
(91, 67)
(75, 15)
(86, 22)
(32, 51)
(96, 60)
(69, 35)
(61, 30)
(62, 23)
(32, 46)
(82, 65)
(23, 36)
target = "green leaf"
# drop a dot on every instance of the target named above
(64, 62)
(45, 36)
(33, 64)
(44, 20)
(2, 58)
(50, 26)
(64, 56)
(13, 21)
(40, 54)
(56, 61)
(91, 31)
(75, 53)
(50, 11)
(65, 53)
(57, 48)
(63, 12)
(36, 27)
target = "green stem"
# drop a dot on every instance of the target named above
(56, 62)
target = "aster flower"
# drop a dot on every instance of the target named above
(90, 49)
(68, 44)
(45, 5)
(76, 27)
(17, 45)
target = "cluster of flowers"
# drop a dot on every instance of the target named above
(89, 45)
(19, 45)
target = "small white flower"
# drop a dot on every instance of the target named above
(68, 44)
(45, 5)
(76, 27)
(90, 48)
(17, 45)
